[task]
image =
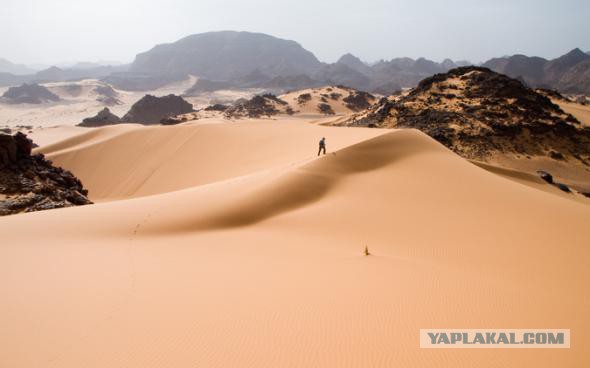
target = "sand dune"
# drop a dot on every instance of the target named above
(137, 160)
(262, 265)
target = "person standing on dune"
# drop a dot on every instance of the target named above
(322, 146)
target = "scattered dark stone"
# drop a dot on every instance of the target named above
(556, 155)
(257, 106)
(303, 98)
(216, 107)
(545, 176)
(563, 187)
(551, 93)
(325, 109)
(359, 100)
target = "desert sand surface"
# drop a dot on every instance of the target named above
(581, 112)
(233, 245)
(79, 101)
(140, 160)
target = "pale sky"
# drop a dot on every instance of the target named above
(57, 31)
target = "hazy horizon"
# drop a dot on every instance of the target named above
(68, 31)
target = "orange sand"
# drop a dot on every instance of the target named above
(232, 245)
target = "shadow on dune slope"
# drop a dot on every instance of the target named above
(308, 184)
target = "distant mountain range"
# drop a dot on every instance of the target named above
(229, 59)
(15, 69)
(568, 73)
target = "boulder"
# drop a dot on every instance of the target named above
(545, 176)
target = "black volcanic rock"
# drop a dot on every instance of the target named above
(358, 100)
(477, 112)
(151, 109)
(29, 93)
(31, 183)
(325, 109)
(265, 105)
(104, 117)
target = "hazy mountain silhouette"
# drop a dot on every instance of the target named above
(234, 60)
(568, 73)
(227, 55)
(16, 69)
(250, 60)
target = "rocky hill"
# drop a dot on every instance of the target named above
(478, 113)
(29, 93)
(266, 105)
(152, 110)
(104, 117)
(31, 183)
(331, 100)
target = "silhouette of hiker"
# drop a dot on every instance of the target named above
(322, 146)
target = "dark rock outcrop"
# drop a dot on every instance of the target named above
(358, 100)
(303, 98)
(31, 183)
(29, 93)
(104, 117)
(325, 109)
(152, 110)
(477, 112)
(216, 107)
(266, 105)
